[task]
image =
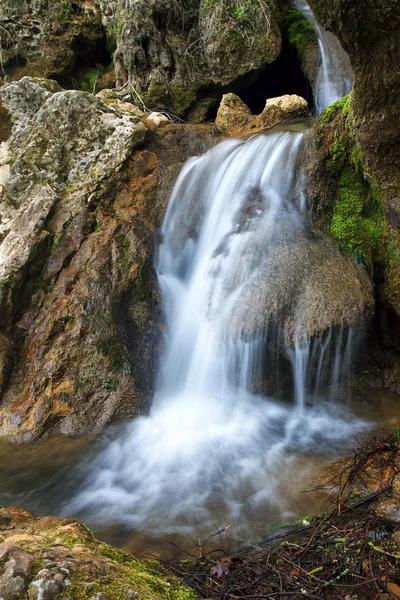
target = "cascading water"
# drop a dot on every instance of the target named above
(335, 78)
(211, 449)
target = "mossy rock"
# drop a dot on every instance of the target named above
(353, 211)
(64, 553)
(298, 30)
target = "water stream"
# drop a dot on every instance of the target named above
(219, 446)
(335, 77)
(209, 439)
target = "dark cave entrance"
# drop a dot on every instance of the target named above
(92, 59)
(283, 76)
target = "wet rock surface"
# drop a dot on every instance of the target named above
(79, 302)
(42, 558)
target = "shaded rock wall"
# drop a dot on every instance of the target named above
(351, 205)
(172, 55)
(370, 33)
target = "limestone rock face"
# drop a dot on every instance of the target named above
(235, 118)
(63, 145)
(81, 199)
(44, 557)
(167, 53)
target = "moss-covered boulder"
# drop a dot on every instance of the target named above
(353, 206)
(345, 198)
(46, 557)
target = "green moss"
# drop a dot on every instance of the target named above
(125, 260)
(124, 575)
(177, 98)
(110, 348)
(298, 30)
(340, 107)
(70, 322)
(358, 217)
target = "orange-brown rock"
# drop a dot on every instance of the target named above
(235, 118)
(85, 316)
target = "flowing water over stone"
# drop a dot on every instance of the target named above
(246, 399)
(335, 76)
(213, 449)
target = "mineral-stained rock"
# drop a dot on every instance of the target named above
(44, 557)
(6, 357)
(79, 302)
(235, 118)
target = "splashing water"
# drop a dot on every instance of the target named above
(335, 77)
(211, 448)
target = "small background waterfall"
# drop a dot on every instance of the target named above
(335, 76)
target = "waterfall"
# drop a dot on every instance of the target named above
(222, 441)
(335, 78)
(213, 449)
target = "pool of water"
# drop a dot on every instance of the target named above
(43, 477)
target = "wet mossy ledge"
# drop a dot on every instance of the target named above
(344, 196)
(298, 30)
(47, 557)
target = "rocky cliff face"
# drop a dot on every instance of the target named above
(171, 55)
(84, 189)
(370, 33)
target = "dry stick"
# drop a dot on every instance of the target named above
(308, 527)
(186, 552)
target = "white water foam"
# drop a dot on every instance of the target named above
(211, 448)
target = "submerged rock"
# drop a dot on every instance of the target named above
(235, 118)
(44, 557)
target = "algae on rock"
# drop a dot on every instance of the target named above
(47, 557)
(343, 194)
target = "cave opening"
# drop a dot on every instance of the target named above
(283, 76)
(93, 59)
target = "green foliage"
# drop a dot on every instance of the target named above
(298, 30)
(88, 78)
(244, 14)
(65, 11)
